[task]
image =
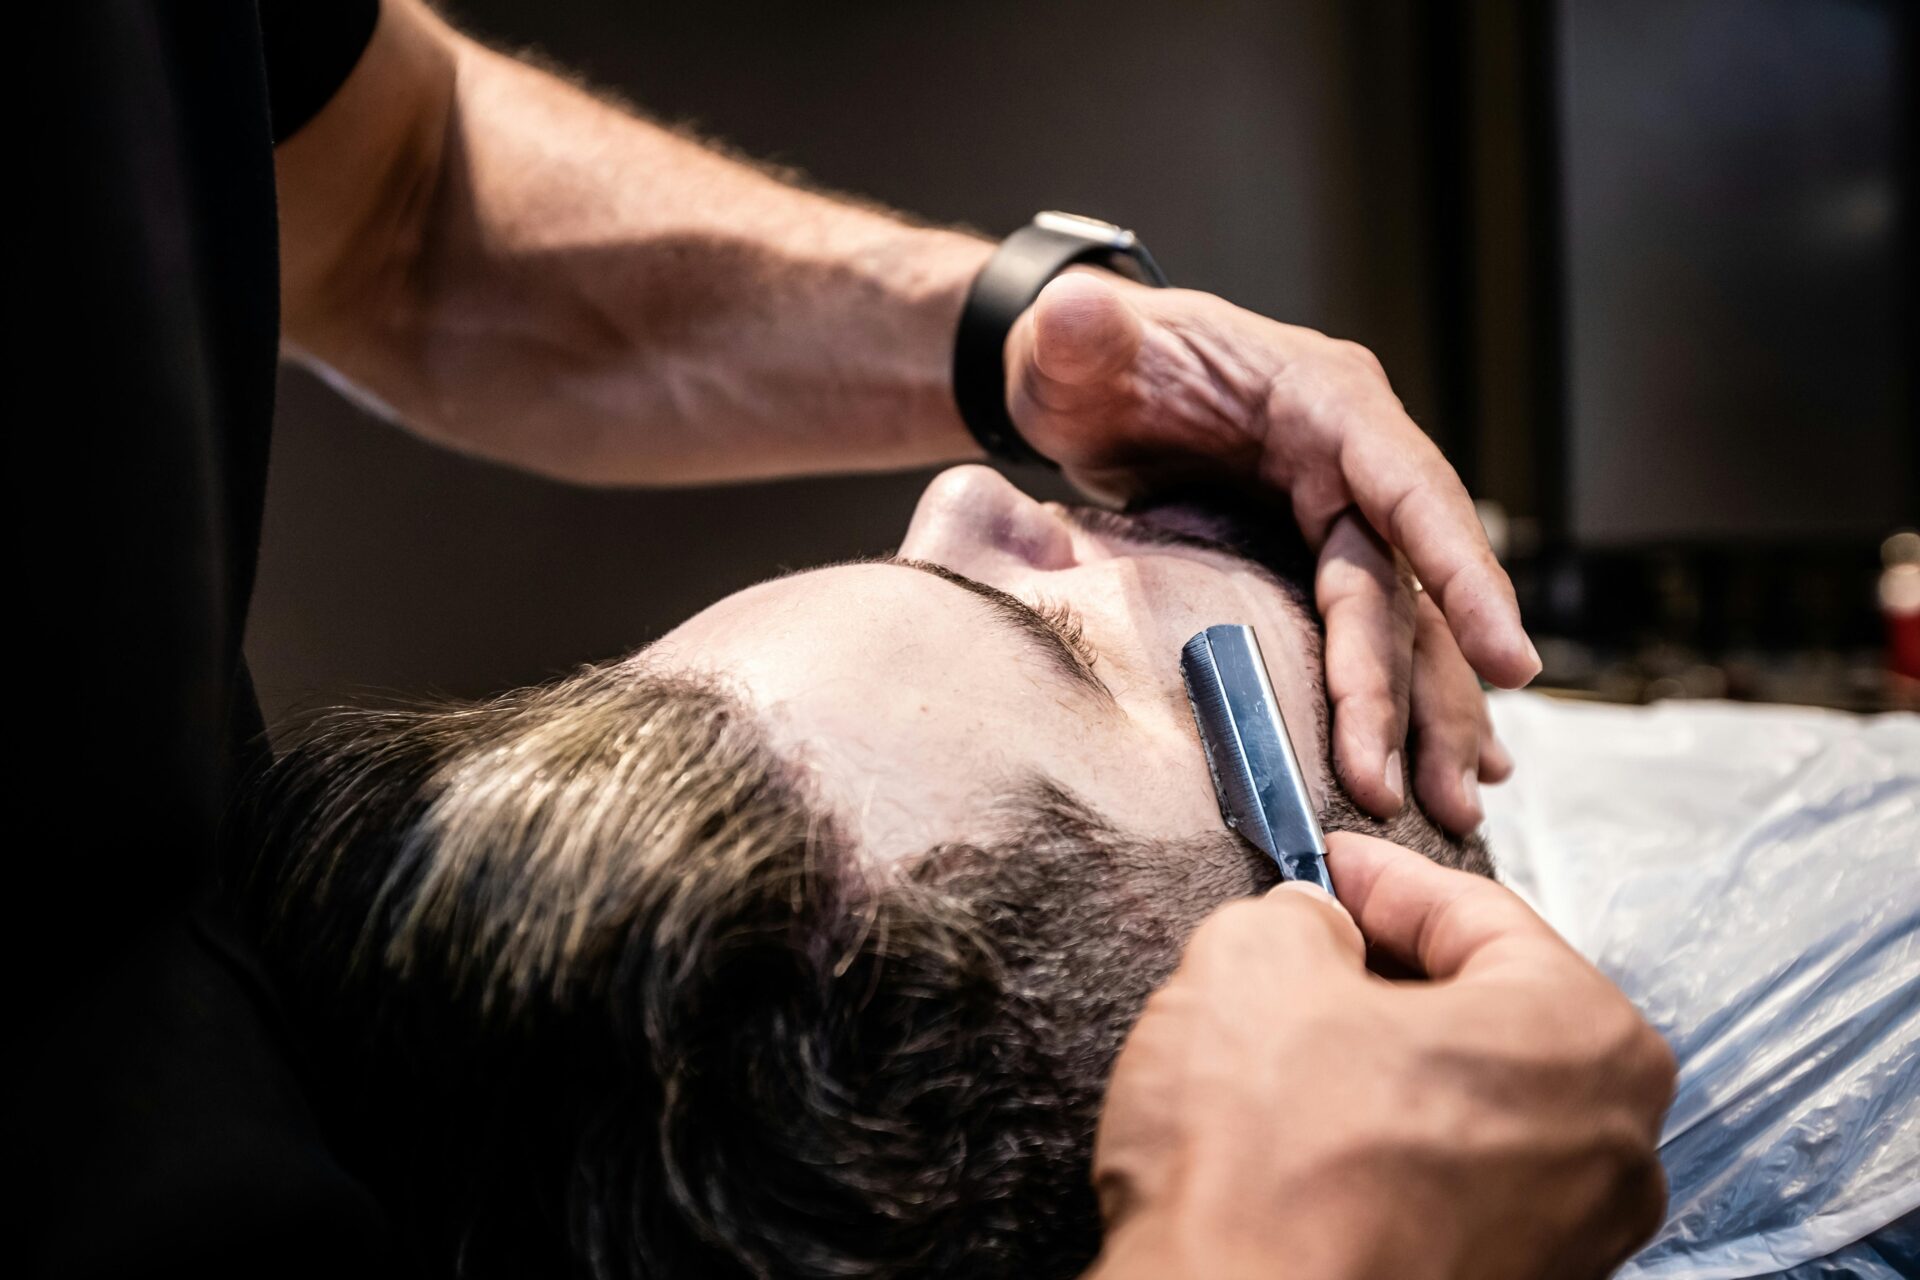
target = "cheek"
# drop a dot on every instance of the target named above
(1149, 778)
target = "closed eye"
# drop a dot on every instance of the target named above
(1070, 628)
(1054, 628)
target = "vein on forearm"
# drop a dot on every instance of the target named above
(590, 295)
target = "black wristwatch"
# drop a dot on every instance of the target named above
(1005, 287)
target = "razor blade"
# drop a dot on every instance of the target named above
(1256, 775)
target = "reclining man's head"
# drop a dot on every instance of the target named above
(800, 943)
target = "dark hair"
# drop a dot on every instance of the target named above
(593, 986)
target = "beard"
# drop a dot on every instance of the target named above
(1085, 922)
(1246, 527)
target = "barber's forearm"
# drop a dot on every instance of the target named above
(588, 295)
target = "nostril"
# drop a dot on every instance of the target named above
(1035, 536)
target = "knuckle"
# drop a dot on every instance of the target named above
(1637, 1194)
(1641, 1054)
(1450, 715)
(1445, 741)
(1363, 720)
(1659, 1068)
(1624, 1153)
(1624, 1202)
(1361, 355)
(1398, 516)
(1653, 1198)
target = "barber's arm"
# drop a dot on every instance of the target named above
(1280, 1112)
(518, 269)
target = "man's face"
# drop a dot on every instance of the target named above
(1008, 639)
(882, 997)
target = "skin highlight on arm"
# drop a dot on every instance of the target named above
(518, 269)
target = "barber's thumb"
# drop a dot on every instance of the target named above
(1331, 924)
(1357, 862)
(1084, 330)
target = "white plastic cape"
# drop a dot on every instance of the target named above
(1750, 876)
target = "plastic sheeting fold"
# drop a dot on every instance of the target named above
(1750, 876)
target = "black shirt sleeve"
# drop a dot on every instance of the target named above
(311, 47)
(156, 1109)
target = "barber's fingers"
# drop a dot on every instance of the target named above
(1294, 934)
(1411, 496)
(1443, 923)
(1496, 762)
(1450, 725)
(1367, 604)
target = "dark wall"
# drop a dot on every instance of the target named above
(1229, 133)
(1736, 364)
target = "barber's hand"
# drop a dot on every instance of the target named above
(1279, 1112)
(1121, 384)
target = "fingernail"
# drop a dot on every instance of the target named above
(1534, 655)
(1470, 789)
(1393, 780)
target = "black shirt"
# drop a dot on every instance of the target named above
(164, 1124)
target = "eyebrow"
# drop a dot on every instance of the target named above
(1044, 633)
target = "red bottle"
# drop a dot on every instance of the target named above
(1900, 602)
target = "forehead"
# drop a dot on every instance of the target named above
(914, 706)
(858, 658)
(896, 691)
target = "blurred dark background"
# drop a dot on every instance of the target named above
(1639, 268)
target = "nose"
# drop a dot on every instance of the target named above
(973, 521)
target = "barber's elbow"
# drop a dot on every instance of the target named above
(361, 184)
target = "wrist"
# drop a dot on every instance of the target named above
(1003, 293)
(924, 274)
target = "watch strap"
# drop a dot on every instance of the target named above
(1006, 287)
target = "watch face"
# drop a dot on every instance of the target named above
(1074, 224)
